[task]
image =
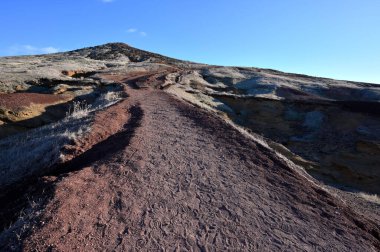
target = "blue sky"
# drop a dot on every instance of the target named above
(330, 38)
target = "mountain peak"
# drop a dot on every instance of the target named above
(113, 46)
(120, 51)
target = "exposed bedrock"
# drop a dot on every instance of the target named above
(342, 146)
(332, 127)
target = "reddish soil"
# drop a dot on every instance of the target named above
(19, 100)
(157, 173)
(100, 130)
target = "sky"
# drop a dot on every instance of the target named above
(328, 38)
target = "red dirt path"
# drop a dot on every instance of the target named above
(171, 176)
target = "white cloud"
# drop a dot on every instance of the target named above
(143, 34)
(49, 49)
(28, 49)
(134, 30)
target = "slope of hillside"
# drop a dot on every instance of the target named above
(152, 156)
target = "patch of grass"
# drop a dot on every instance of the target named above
(35, 152)
(79, 109)
(107, 99)
(112, 96)
(374, 198)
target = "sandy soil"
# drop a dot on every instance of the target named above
(19, 100)
(174, 177)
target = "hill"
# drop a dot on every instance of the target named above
(116, 148)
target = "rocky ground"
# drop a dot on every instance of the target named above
(150, 154)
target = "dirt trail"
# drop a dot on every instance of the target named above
(177, 178)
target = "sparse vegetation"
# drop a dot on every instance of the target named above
(36, 151)
(374, 198)
(112, 96)
(79, 109)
